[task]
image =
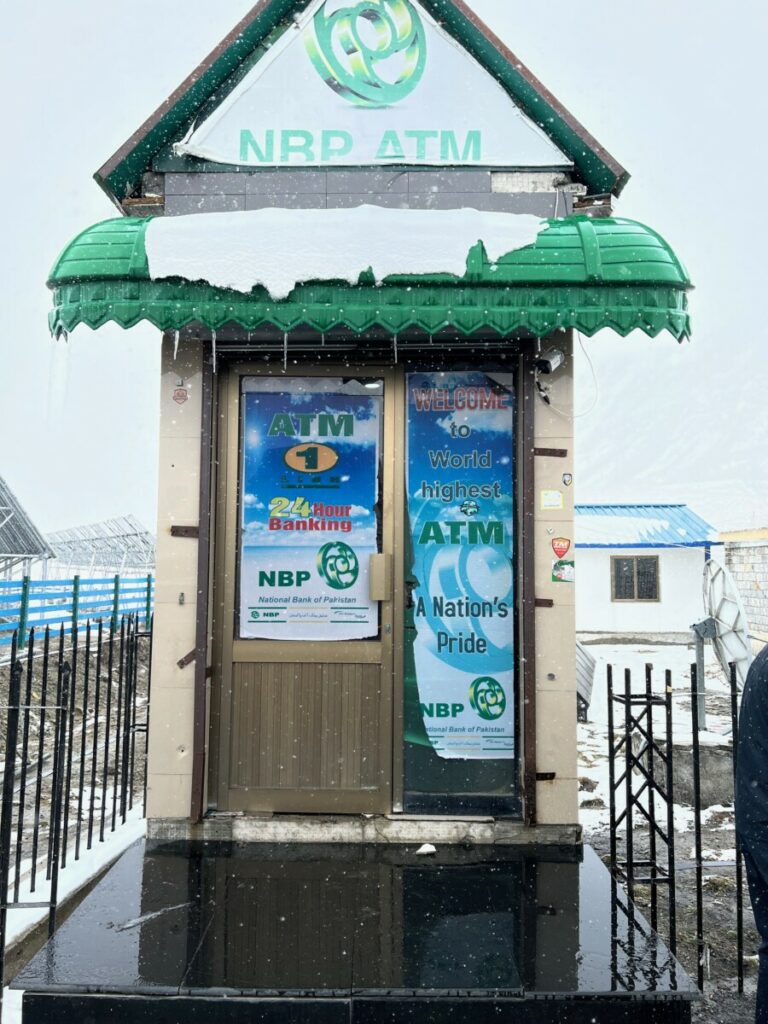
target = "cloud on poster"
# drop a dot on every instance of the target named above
(366, 433)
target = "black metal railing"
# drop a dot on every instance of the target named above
(640, 770)
(646, 784)
(74, 713)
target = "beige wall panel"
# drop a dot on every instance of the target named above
(556, 745)
(176, 419)
(548, 476)
(179, 481)
(168, 593)
(170, 743)
(176, 565)
(556, 649)
(168, 796)
(172, 704)
(557, 802)
(556, 733)
(174, 638)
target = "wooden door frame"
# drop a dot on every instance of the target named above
(224, 589)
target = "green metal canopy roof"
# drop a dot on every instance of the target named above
(581, 273)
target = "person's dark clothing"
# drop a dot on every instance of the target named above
(752, 808)
(752, 772)
(756, 863)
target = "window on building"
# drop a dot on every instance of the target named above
(635, 579)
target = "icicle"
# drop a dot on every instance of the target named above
(395, 348)
(213, 349)
(285, 351)
(58, 379)
(175, 345)
(322, 340)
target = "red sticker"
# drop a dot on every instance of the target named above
(180, 396)
(561, 546)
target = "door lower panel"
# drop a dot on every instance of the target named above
(310, 728)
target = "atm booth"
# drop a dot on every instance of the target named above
(369, 237)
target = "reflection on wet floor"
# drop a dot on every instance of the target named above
(225, 919)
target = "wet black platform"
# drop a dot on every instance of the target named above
(228, 933)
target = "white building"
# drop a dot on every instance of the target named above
(746, 555)
(639, 568)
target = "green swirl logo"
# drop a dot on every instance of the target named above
(338, 565)
(373, 53)
(487, 697)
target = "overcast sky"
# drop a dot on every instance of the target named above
(673, 88)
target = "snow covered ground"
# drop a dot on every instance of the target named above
(593, 735)
(721, 1004)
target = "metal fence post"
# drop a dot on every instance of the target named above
(24, 611)
(75, 603)
(151, 625)
(116, 602)
(671, 861)
(24, 766)
(651, 779)
(697, 827)
(612, 772)
(57, 795)
(22, 798)
(739, 869)
(6, 815)
(41, 748)
(148, 605)
(628, 766)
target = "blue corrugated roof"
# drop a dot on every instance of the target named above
(641, 526)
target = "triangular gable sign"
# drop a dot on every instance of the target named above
(318, 66)
(378, 83)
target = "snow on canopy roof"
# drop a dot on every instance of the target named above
(641, 526)
(276, 249)
(588, 273)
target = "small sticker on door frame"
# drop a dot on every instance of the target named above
(552, 501)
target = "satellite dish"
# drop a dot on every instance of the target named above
(729, 626)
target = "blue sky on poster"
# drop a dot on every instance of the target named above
(429, 437)
(351, 483)
(478, 571)
(674, 90)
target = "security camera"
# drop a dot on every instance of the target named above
(549, 361)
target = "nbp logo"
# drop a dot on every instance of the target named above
(372, 53)
(338, 565)
(487, 697)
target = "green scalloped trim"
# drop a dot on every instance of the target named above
(536, 310)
